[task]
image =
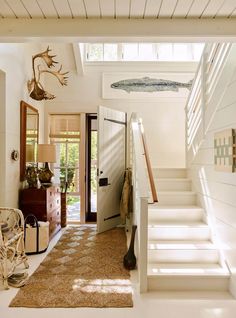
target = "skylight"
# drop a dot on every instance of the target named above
(97, 52)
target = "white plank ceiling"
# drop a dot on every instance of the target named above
(114, 9)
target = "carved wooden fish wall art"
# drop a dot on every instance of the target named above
(150, 85)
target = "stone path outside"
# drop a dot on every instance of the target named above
(73, 210)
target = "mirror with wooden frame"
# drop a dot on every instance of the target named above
(29, 136)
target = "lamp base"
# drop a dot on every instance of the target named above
(45, 175)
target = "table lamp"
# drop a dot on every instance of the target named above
(46, 154)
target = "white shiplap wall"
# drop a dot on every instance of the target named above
(217, 190)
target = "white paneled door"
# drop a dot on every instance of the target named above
(111, 166)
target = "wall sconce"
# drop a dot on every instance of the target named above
(46, 154)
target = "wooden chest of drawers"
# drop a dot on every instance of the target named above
(45, 204)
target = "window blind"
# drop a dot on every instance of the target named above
(64, 126)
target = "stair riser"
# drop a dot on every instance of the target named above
(176, 199)
(178, 233)
(184, 256)
(174, 215)
(169, 173)
(173, 185)
(187, 283)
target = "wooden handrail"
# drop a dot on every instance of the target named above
(148, 163)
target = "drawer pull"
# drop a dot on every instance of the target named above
(51, 205)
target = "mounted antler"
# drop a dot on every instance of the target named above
(60, 76)
(35, 88)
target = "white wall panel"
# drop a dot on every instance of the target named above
(217, 190)
(223, 192)
(15, 62)
(224, 118)
(208, 172)
(229, 97)
(204, 156)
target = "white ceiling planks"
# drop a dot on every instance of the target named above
(92, 8)
(5, 10)
(167, 8)
(182, 8)
(107, 8)
(212, 8)
(122, 8)
(198, 8)
(18, 8)
(137, 8)
(152, 8)
(77, 8)
(117, 9)
(48, 8)
(33, 8)
(63, 8)
(233, 15)
(227, 8)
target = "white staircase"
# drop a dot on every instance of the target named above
(181, 255)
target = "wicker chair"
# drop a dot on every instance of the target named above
(12, 253)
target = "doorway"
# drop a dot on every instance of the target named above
(91, 168)
(65, 134)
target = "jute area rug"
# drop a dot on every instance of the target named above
(84, 269)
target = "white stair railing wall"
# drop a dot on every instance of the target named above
(209, 87)
(140, 199)
(203, 93)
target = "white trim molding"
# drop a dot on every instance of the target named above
(89, 30)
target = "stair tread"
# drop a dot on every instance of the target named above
(186, 269)
(184, 224)
(172, 179)
(188, 192)
(156, 206)
(180, 245)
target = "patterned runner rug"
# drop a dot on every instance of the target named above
(84, 269)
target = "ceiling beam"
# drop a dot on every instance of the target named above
(89, 30)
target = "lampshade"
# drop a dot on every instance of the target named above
(29, 153)
(46, 153)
